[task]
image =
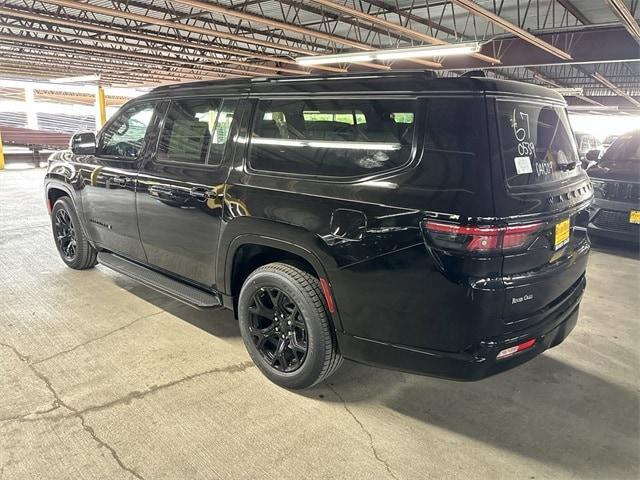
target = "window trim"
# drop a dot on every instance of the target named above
(206, 165)
(416, 142)
(155, 103)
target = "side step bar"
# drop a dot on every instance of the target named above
(178, 290)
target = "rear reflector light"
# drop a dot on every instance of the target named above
(326, 291)
(480, 239)
(509, 352)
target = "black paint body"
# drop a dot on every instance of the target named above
(400, 301)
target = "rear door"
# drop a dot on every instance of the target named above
(539, 181)
(181, 188)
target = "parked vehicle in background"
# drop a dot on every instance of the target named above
(431, 225)
(615, 212)
(587, 142)
(608, 141)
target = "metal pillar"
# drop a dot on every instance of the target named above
(101, 108)
(1, 154)
(32, 114)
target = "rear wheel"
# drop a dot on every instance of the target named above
(285, 326)
(71, 242)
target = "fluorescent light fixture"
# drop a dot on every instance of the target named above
(593, 108)
(80, 79)
(569, 91)
(394, 54)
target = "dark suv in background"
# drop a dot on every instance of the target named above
(615, 212)
(431, 225)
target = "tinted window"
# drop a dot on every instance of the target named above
(537, 145)
(455, 143)
(625, 149)
(192, 128)
(339, 138)
(125, 136)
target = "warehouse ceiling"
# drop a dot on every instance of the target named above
(590, 44)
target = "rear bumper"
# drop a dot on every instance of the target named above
(609, 219)
(474, 365)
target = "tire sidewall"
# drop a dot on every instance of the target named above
(312, 366)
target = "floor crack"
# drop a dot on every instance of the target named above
(371, 444)
(76, 413)
(136, 395)
(97, 338)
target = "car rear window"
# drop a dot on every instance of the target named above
(536, 142)
(332, 137)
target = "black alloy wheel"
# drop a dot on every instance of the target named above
(286, 327)
(71, 242)
(278, 329)
(65, 234)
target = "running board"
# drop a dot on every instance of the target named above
(178, 290)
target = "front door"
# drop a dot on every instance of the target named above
(181, 188)
(109, 177)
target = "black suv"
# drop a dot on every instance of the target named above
(431, 225)
(615, 212)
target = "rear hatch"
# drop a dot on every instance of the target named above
(539, 185)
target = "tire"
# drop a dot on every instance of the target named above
(72, 244)
(300, 322)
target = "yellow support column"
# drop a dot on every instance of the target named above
(1, 154)
(101, 108)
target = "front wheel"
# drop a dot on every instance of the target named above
(285, 326)
(72, 244)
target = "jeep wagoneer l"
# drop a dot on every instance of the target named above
(431, 225)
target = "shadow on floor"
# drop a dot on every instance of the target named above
(616, 247)
(546, 410)
(219, 322)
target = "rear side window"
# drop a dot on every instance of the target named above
(334, 138)
(536, 142)
(196, 130)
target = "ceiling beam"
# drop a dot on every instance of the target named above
(589, 45)
(147, 37)
(105, 68)
(614, 88)
(266, 68)
(394, 27)
(622, 12)
(162, 60)
(573, 10)
(113, 12)
(479, 11)
(270, 22)
(209, 7)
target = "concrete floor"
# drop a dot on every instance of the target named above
(103, 378)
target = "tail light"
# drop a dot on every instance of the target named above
(481, 239)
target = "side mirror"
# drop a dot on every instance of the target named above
(593, 155)
(83, 143)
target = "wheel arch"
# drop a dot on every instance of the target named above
(248, 252)
(54, 190)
